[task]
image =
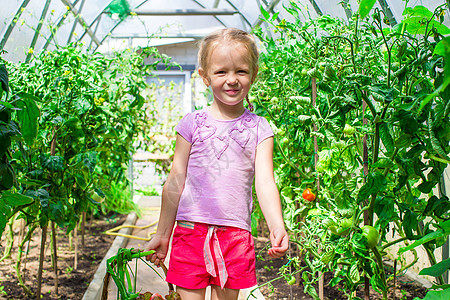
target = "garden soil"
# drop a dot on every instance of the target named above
(73, 283)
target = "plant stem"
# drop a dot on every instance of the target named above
(381, 267)
(10, 240)
(19, 259)
(387, 245)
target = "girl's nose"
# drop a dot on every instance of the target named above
(232, 79)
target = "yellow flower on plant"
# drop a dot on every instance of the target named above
(99, 101)
(66, 72)
(30, 51)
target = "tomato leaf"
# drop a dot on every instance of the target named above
(264, 13)
(365, 7)
(443, 47)
(386, 137)
(418, 11)
(437, 269)
(436, 295)
(345, 203)
(385, 210)
(410, 223)
(5, 211)
(28, 116)
(426, 186)
(375, 182)
(429, 237)
(15, 199)
(354, 273)
(3, 81)
(52, 163)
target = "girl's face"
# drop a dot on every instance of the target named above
(228, 73)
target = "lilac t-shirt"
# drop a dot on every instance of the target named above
(221, 167)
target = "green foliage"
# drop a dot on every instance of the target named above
(381, 122)
(69, 125)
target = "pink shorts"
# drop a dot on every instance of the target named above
(189, 261)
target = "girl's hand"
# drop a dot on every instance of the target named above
(161, 246)
(280, 242)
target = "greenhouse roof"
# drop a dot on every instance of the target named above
(33, 25)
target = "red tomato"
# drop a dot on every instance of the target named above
(308, 195)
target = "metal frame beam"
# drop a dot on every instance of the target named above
(53, 31)
(37, 31)
(186, 12)
(13, 23)
(117, 24)
(142, 36)
(388, 12)
(81, 21)
(347, 9)
(244, 18)
(215, 17)
(269, 8)
(316, 7)
(75, 23)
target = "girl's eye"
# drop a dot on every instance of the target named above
(242, 72)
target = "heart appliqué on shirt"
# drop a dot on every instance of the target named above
(240, 136)
(200, 119)
(249, 121)
(206, 131)
(219, 145)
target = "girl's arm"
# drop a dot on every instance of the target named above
(172, 189)
(269, 198)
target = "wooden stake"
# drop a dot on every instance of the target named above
(395, 280)
(55, 257)
(366, 213)
(83, 226)
(316, 159)
(75, 237)
(41, 260)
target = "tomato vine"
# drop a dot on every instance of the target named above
(382, 104)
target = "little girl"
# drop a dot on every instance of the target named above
(219, 151)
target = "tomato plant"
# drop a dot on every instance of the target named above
(380, 119)
(70, 122)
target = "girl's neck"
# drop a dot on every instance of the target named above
(226, 112)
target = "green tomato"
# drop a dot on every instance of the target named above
(345, 223)
(314, 212)
(274, 100)
(371, 234)
(349, 130)
(333, 229)
(292, 281)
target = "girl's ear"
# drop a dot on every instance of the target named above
(205, 79)
(254, 75)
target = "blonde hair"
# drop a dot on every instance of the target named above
(209, 42)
